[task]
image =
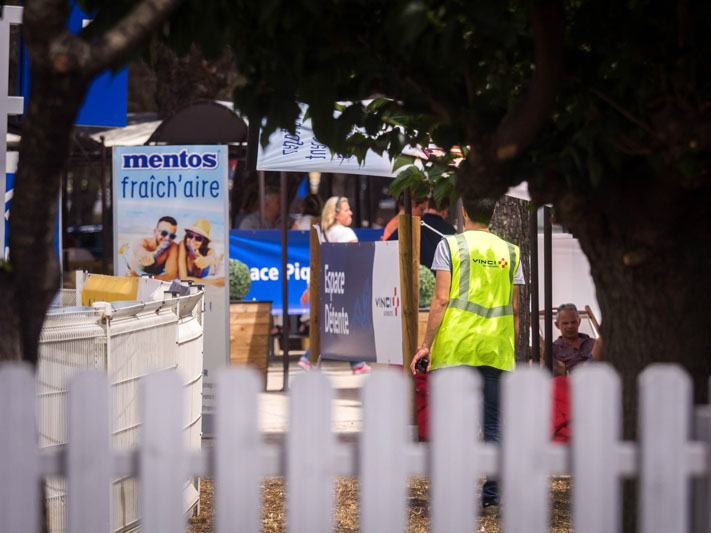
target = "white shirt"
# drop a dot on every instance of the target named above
(339, 233)
(303, 223)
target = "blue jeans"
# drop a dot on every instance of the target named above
(491, 423)
(491, 378)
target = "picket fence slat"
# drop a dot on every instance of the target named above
(89, 453)
(456, 409)
(237, 452)
(701, 497)
(596, 396)
(19, 475)
(667, 460)
(383, 489)
(310, 455)
(526, 419)
(162, 458)
(664, 417)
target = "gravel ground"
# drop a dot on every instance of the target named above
(346, 516)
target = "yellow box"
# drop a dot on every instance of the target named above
(100, 288)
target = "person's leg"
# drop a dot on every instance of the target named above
(304, 361)
(359, 367)
(491, 428)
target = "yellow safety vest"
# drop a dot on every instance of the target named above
(478, 325)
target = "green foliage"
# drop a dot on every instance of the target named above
(427, 285)
(239, 279)
(434, 177)
(452, 71)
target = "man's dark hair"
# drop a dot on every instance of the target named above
(400, 202)
(169, 220)
(479, 210)
(443, 204)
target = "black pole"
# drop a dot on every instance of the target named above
(369, 194)
(535, 322)
(548, 289)
(408, 203)
(284, 282)
(106, 233)
(358, 218)
(252, 145)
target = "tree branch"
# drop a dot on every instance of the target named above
(518, 129)
(629, 116)
(114, 47)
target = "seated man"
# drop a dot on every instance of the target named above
(572, 348)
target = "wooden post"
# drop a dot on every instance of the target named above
(314, 292)
(409, 244)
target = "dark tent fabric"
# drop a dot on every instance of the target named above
(201, 123)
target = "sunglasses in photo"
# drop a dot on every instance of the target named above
(192, 235)
(164, 233)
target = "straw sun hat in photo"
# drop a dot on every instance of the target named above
(201, 227)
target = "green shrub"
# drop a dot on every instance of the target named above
(239, 279)
(427, 285)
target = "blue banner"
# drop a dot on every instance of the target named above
(105, 103)
(260, 250)
(9, 189)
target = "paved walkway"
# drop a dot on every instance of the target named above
(346, 410)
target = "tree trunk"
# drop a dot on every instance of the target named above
(31, 278)
(649, 257)
(511, 222)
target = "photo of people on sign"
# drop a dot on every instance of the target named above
(170, 211)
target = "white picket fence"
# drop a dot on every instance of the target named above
(665, 460)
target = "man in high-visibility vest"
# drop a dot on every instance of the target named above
(473, 316)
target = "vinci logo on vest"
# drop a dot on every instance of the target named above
(503, 263)
(389, 303)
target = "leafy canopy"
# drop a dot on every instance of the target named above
(632, 102)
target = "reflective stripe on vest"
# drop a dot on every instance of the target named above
(478, 326)
(463, 302)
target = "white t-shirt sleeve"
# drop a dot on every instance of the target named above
(442, 259)
(518, 276)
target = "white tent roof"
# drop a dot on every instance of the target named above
(133, 135)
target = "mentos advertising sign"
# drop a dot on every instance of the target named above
(170, 222)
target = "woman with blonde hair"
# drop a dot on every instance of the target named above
(335, 219)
